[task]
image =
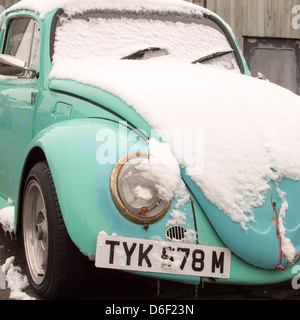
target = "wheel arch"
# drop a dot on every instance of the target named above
(35, 156)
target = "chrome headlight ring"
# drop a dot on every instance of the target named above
(136, 196)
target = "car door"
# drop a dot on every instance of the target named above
(18, 95)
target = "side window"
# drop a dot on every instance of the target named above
(23, 41)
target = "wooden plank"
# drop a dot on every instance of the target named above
(257, 18)
(8, 3)
(295, 33)
(198, 2)
(201, 3)
(269, 18)
(232, 13)
(237, 22)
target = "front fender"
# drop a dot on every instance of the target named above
(81, 155)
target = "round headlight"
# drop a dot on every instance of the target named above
(135, 195)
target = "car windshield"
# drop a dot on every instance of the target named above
(143, 36)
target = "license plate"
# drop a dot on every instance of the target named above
(133, 254)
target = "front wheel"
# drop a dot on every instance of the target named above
(55, 266)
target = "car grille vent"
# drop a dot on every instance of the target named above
(176, 233)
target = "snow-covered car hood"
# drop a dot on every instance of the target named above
(250, 128)
(239, 115)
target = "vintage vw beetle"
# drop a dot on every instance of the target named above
(132, 133)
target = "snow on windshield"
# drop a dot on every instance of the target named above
(114, 38)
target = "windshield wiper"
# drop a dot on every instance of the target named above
(212, 56)
(146, 53)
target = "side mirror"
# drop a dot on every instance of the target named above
(13, 66)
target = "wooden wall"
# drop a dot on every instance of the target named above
(257, 18)
(273, 18)
(8, 3)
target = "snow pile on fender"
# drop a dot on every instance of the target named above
(162, 168)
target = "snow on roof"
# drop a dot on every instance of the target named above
(79, 6)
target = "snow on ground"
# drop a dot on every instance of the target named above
(16, 281)
(7, 218)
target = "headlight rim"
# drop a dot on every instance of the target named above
(118, 201)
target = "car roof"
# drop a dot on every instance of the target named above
(79, 6)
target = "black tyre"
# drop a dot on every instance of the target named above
(55, 266)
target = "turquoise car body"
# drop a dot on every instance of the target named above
(58, 120)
